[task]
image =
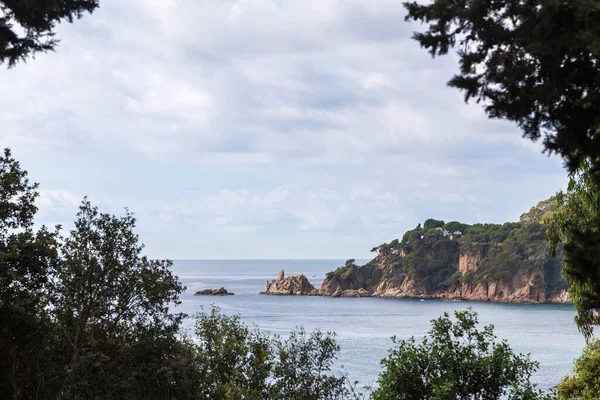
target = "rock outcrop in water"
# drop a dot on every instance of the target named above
(290, 285)
(214, 292)
(454, 261)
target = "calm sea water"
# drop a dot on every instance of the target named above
(364, 326)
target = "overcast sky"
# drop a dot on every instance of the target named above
(262, 129)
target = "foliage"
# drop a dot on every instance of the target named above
(27, 27)
(584, 384)
(371, 275)
(303, 365)
(541, 211)
(111, 305)
(430, 257)
(533, 62)
(84, 316)
(235, 362)
(27, 258)
(456, 361)
(524, 248)
(576, 226)
(455, 226)
(433, 223)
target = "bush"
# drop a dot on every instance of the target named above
(584, 384)
(230, 361)
(456, 361)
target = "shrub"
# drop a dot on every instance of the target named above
(456, 361)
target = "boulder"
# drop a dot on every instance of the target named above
(213, 292)
(291, 285)
(344, 279)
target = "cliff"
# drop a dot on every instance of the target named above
(483, 262)
(290, 285)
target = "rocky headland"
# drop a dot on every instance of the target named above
(214, 292)
(290, 285)
(454, 261)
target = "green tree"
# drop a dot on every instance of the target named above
(302, 370)
(455, 226)
(112, 309)
(231, 361)
(456, 361)
(27, 27)
(584, 384)
(27, 260)
(534, 62)
(541, 211)
(576, 226)
(433, 223)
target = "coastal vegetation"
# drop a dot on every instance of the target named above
(88, 316)
(458, 361)
(584, 384)
(499, 262)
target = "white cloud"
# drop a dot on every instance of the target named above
(57, 206)
(262, 119)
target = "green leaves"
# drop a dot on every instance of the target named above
(576, 226)
(111, 303)
(534, 62)
(27, 261)
(584, 384)
(455, 361)
(27, 27)
(235, 362)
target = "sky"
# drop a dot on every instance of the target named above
(261, 129)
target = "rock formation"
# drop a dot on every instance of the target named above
(214, 292)
(481, 262)
(349, 281)
(291, 285)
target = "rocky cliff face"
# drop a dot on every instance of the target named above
(523, 287)
(347, 283)
(290, 285)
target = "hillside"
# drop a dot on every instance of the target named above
(452, 260)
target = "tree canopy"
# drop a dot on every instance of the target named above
(534, 62)
(27, 27)
(456, 361)
(576, 226)
(584, 383)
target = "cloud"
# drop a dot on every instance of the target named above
(286, 209)
(57, 206)
(258, 81)
(262, 119)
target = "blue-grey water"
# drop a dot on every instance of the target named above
(364, 326)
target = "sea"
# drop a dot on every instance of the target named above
(364, 326)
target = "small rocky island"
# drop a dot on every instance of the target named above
(290, 285)
(214, 292)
